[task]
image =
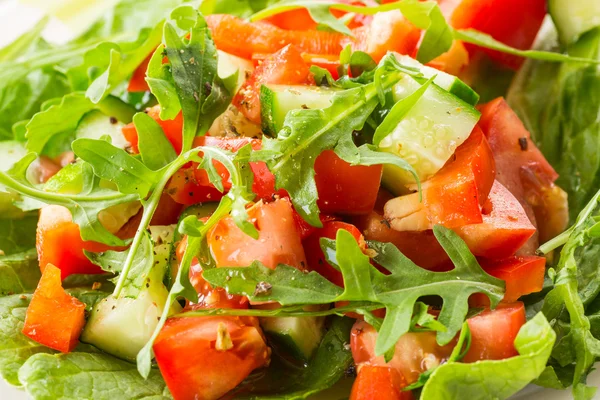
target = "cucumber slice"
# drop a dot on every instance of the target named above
(448, 82)
(574, 17)
(96, 124)
(228, 64)
(12, 151)
(277, 100)
(299, 336)
(122, 326)
(428, 135)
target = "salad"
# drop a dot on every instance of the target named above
(243, 199)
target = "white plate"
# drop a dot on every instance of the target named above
(71, 18)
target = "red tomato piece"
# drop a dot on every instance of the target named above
(523, 170)
(493, 332)
(504, 230)
(523, 275)
(278, 241)
(203, 358)
(381, 383)
(314, 255)
(235, 36)
(415, 352)
(326, 61)
(420, 246)
(305, 229)
(501, 20)
(58, 242)
(138, 83)
(337, 185)
(209, 297)
(54, 318)
(389, 31)
(173, 130)
(454, 195)
(284, 67)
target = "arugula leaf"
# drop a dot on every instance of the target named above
(155, 149)
(397, 292)
(17, 235)
(191, 74)
(88, 375)
(84, 206)
(496, 379)
(328, 365)
(19, 273)
(239, 8)
(116, 165)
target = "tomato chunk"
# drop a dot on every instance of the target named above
(138, 83)
(173, 130)
(501, 20)
(235, 36)
(381, 383)
(203, 358)
(523, 275)
(337, 185)
(523, 170)
(504, 230)
(284, 67)
(58, 242)
(278, 241)
(389, 31)
(314, 255)
(493, 332)
(454, 195)
(54, 318)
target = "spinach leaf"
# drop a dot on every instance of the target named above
(397, 292)
(17, 235)
(88, 375)
(496, 379)
(328, 365)
(19, 273)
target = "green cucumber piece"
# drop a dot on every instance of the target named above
(228, 64)
(122, 326)
(574, 17)
(299, 336)
(277, 100)
(428, 134)
(96, 124)
(448, 82)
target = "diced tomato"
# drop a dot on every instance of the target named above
(138, 83)
(389, 31)
(381, 383)
(523, 275)
(493, 332)
(453, 61)
(284, 67)
(278, 241)
(338, 188)
(209, 297)
(300, 20)
(421, 247)
(46, 169)
(454, 195)
(54, 318)
(504, 230)
(203, 358)
(513, 22)
(173, 130)
(329, 62)
(305, 229)
(235, 36)
(314, 255)
(58, 242)
(415, 352)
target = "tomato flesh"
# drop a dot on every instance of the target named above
(523, 275)
(198, 364)
(284, 67)
(138, 83)
(54, 318)
(381, 383)
(173, 130)
(278, 241)
(314, 254)
(504, 230)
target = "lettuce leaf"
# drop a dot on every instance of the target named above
(19, 273)
(497, 379)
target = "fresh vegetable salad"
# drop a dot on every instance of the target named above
(258, 199)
